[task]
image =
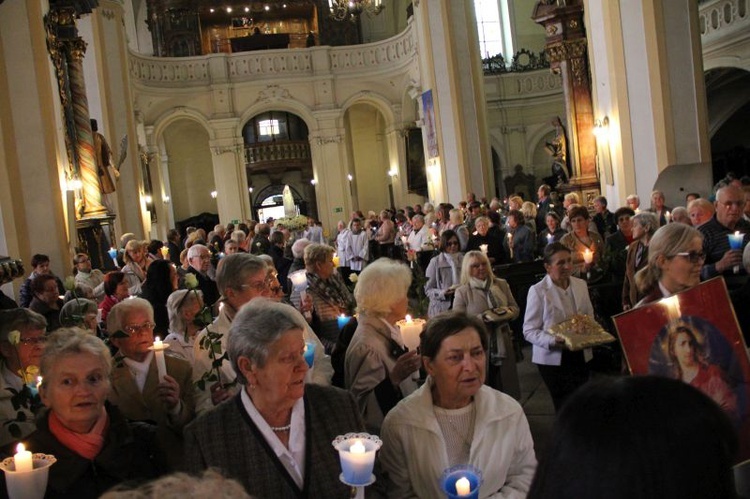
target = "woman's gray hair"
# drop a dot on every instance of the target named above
(648, 221)
(234, 270)
(69, 341)
(176, 302)
(81, 291)
(468, 260)
(256, 326)
(317, 253)
(71, 315)
(120, 311)
(298, 248)
(268, 260)
(208, 484)
(380, 285)
(20, 318)
(456, 216)
(669, 240)
(238, 236)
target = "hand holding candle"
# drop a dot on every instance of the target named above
(735, 243)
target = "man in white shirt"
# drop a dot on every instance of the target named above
(419, 236)
(357, 246)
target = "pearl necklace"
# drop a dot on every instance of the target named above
(281, 429)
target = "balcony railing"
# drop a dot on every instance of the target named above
(721, 19)
(277, 151)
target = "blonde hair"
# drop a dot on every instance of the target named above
(669, 240)
(528, 209)
(467, 261)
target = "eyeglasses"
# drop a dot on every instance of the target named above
(257, 286)
(692, 256)
(452, 243)
(37, 340)
(139, 329)
(729, 204)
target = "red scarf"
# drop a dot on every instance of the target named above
(87, 445)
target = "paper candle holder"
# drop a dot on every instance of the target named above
(27, 484)
(356, 467)
(309, 353)
(410, 331)
(453, 474)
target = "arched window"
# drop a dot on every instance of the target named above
(494, 28)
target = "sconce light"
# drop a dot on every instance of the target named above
(349, 176)
(229, 10)
(393, 173)
(214, 194)
(148, 199)
(250, 190)
(166, 199)
(601, 129)
(314, 182)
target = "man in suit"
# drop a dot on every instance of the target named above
(606, 223)
(199, 259)
(544, 206)
(136, 388)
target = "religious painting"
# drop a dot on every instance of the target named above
(428, 117)
(416, 174)
(693, 336)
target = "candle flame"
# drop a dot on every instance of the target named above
(20, 448)
(157, 339)
(736, 233)
(408, 318)
(357, 447)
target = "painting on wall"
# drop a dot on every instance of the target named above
(428, 117)
(416, 174)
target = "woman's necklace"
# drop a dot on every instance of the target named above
(281, 429)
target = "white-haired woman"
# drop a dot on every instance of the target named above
(489, 298)
(458, 226)
(18, 350)
(95, 445)
(275, 436)
(136, 262)
(377, 367)
(183, 306)
(136, 387)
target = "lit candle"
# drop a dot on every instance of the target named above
(588, 256)
(550, 239)
(164, 252)
(463, 486)
(404, 240)
(22, 459)
(309, 353)
(335, 260)
(298, 278)
(483, 247)
(161, 365)
(735, 243)
(112, 253)
(510, 244)
(410, 331)
(357, 461)
(342, 320)
(667, 216)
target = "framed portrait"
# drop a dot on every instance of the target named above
(693, 336)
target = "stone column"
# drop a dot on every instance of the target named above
(566, 48)
(330, 167)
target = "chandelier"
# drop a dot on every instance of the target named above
(352, 9)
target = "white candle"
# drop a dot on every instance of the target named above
(668, 216)
(404, 240)
(463, 486)
(357, 447)
(357, 463)
(22, 459)
(483, 247)
(588, 256)
(161, 365)
(410, 331)
(298, 278)
(735, 243)
(165, 252)
(550, 239)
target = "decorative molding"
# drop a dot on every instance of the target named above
(219, 150)
(331, 139)
(273, 93)
(108, 14)
(507, 130)
(561, 51)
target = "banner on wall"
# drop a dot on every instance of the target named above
(428, 116)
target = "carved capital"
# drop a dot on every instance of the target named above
(562, 51)
(332, 139)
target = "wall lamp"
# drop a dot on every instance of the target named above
(214, 194)
(601, 129)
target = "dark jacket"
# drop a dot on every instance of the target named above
(494, 241)
(226, 438)
(129, 454)
(25, 295)
(207, 287)
(51, 314)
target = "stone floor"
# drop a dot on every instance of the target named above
(536, 402)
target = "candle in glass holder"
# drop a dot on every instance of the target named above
(588, 256)
(461, 482)
(342, 320)
(357, 456)
(309, 353)
(164, 252)
(22, 459)
(161, 366)
(410, 331)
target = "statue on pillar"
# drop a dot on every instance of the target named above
(103, 155)
(558, 149)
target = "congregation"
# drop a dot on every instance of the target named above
(282, 339)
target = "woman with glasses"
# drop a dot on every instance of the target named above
(444, 274)
(17, 352)
(95, 445)
(136, 387)
(489, 298)
(675, 258)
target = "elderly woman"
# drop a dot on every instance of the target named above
(493, 240)
(489, 298)
(378, 368)
(443, 274)
(581, 241)
(556, 298)
(161, 280)
(82, 313)
(552, 220)
(458, 226)
(17, 352)
(521, 241)
(644, 226)
(700, 211)
(136, 387)
(675, 258)
(529, 215)
(327, 293)
(40, 265)
(136, 263)
(115, 290)
(46, 300)
(95, 446)
(275, 437)
(182, 306)
(454, 419)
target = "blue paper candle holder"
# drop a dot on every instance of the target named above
(452, 475)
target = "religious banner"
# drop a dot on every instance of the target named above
(430, 130)
(693, 336)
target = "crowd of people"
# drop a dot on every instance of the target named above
(262, 322)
